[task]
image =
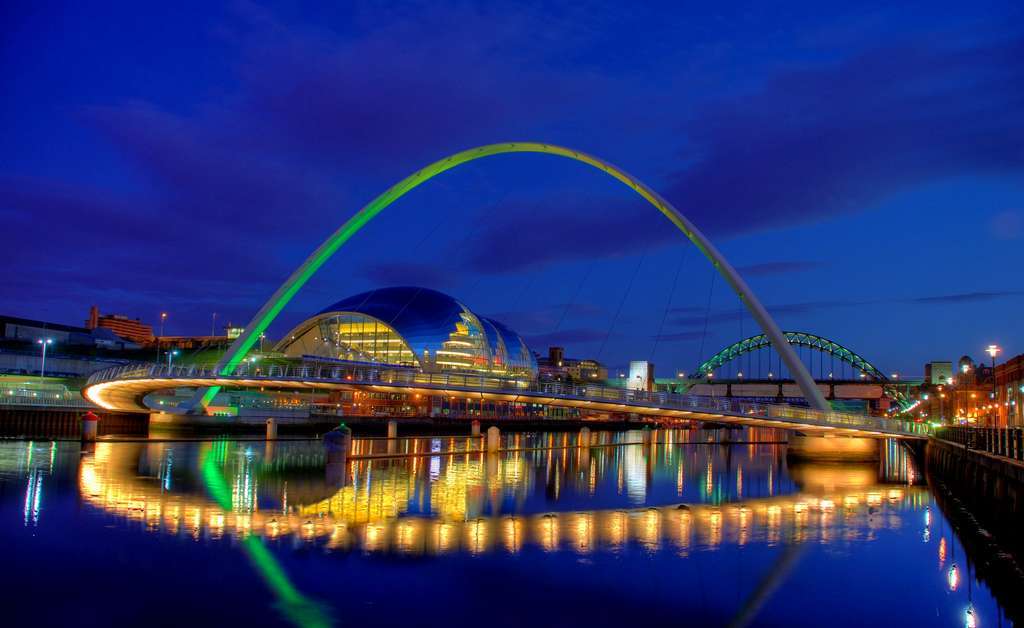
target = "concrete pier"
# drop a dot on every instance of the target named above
(392, 441)
(474, 428)
(833, 448)
(90, 427)
(271, 429)
(648, 435)
(337, 444)
(493, 439)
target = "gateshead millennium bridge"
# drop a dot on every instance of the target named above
(126, 388)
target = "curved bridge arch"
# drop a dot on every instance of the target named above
(270, 310)
(799, 338)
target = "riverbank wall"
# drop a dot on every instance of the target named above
(982, 495)
(66, 423)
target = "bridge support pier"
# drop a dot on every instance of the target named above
(474, 428)
(830, 448)
(493, 438)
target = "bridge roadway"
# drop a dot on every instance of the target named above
(125, 387)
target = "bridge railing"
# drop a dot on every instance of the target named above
(1001, 441)
(311, 375)
(44, 398)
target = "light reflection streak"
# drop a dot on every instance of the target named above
(376, 511)
(377, 525)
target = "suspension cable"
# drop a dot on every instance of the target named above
(668, 304)
(575, 295)
(707, 315)
(625, 295)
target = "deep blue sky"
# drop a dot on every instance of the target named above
(863, 167)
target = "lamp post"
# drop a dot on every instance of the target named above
(993, 351)
(163, 319)
(44, 343)
(170, 356)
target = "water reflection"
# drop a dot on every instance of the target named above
(550, 495)
(476, 502)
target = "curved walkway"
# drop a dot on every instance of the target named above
(123, 388)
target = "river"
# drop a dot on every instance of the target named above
(549, 532)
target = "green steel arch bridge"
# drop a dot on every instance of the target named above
(737, 363)
(822, 345)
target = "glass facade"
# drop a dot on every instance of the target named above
(412, 327)
(353, 337)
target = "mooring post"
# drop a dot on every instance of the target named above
(337, 443)
(90, 426)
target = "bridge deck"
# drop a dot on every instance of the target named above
(123, 388)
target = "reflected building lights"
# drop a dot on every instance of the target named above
(395, 507)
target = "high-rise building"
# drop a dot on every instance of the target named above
(128, 328)
(558, 367)
(938, 373)
(1009, 386)
(641, 375)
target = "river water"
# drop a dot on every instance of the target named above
(679, 531)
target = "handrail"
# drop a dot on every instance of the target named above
(309, 374)
(1007, 442)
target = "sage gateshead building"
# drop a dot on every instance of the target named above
(414, 328)
(410, 328)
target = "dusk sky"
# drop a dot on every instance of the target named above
(862, 168)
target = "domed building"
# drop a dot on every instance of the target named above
(414, 328)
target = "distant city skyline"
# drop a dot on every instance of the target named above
(862, 171)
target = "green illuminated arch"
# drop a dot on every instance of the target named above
(270, 310)
(799, 338)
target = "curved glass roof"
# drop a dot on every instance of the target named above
(423, 317)
(440, 331)
(516, 353)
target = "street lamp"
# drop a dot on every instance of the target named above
(170, 356)
(163, 319)
(44, 343)
(993, 351)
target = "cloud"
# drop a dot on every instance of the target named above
(779, 267)
(965, 297)
(816, 143)
(410, 274)
(545, 319)
(404, 86)
(1007, 225)
(564, 230)
(694, 316)
(808, 145)
(680, 336)
(566, 337)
